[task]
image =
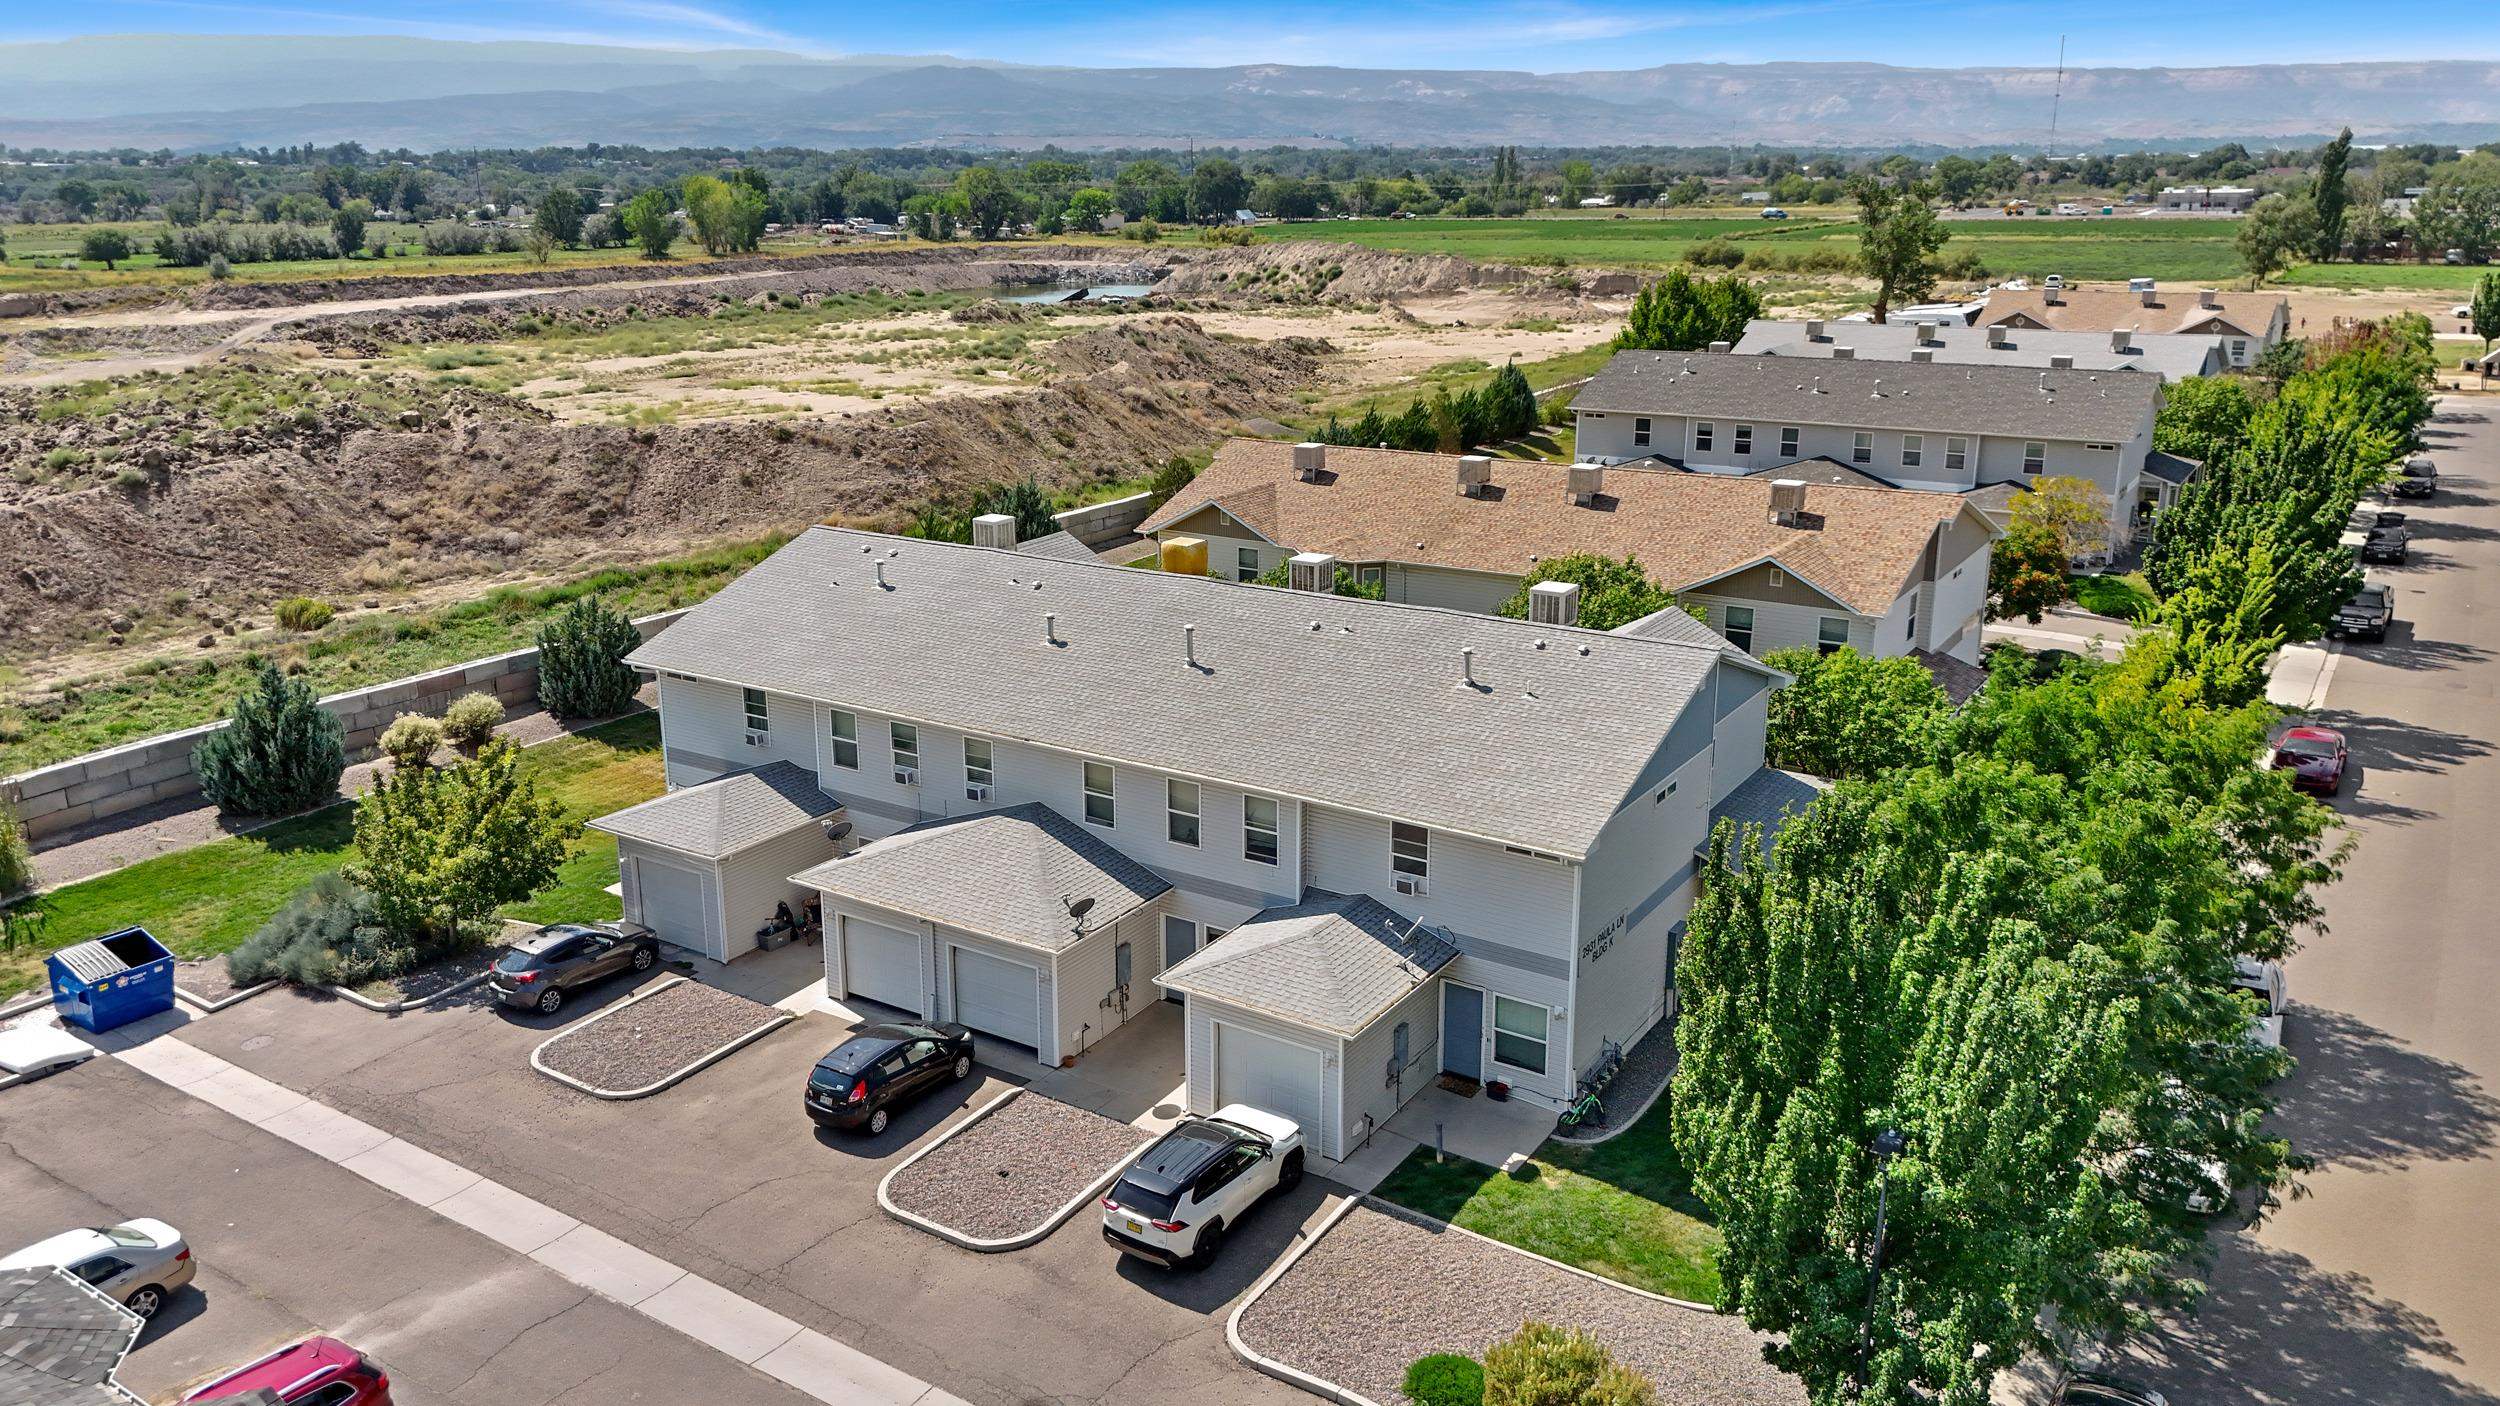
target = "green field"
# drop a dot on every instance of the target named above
(1542, 239)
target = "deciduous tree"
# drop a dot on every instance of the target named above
(653, 225)
(1613, 591)
(1850, 714)
(442, 848)
(2027, 573)
(2276, 230)
(1898, 236)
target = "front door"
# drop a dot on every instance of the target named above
(1462, 1030)
(1180, 938)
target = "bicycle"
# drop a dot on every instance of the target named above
(1588, 1109)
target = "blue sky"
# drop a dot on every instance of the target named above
(1534, 34)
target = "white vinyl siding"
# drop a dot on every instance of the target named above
(1375, 1083)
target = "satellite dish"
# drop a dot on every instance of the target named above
(838, 830)
(1078, 908)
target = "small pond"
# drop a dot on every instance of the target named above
(1064, 292)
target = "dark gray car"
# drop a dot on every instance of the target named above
(540, 970)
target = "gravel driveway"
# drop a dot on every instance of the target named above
(1385, 1287)
(1008, 1174)
(669, 1033)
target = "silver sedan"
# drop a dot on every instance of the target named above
(140, 1263)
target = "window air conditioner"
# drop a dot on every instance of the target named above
(906, 776)
(976, 791)
(1411, 885)
(758, 739)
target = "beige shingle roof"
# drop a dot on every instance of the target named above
(2101, 309)
(1392, 505)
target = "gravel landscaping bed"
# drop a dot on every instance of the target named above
(655, 1039)
(1385, 1287)
(436, 978)
(207, 982)
(1646, 1068)
(1009, 1174)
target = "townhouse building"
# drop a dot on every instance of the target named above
(1883, 570)
(2170, 356)
(1987, 432)
(2246, 323)
(1364, 844)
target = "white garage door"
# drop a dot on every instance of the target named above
(1270, 1074)
(998, 997)
(672, 905)
(881, 963)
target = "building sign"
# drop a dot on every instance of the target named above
(1604, 941)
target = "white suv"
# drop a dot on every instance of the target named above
(1174, 1202)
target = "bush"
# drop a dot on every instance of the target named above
(17, 865)
(410, 740)
(303, 614)
(1444, 1379)
(471, 719)
(581, 661)
(1234, 236)
(1542, 1365)
(326, 927)
(1143, 231)
(1717, 252)
(280, 752)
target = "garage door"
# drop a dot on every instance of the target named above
(998, 997)
(882, 963)
(672, 905)
(1271, 1074)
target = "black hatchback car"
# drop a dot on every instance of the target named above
(881, 1068)
(540, 970)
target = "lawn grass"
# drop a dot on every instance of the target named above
(1538, 240)
(1624, 1208)
(2126, 596)
(203, 902)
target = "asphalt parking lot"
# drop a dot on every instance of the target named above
(725, 1176)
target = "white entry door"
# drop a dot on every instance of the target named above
(998, 997)
(1270, 1074)
(672, 905)
(881, 963)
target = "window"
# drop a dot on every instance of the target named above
(1739, 629)
(1778, 577)
(1912, 636)
(1703, 431)
(1180, 809)
(979, 768)
(2035, 456)
(100, 1269)
(1519, 1034)
(1401, 1048)
(1956, 454)
(1788, 441)
(845, 728)
(1744, 439)
(2239, 350)
(1831, 635)
(1640, 432)
(2102, 448)
(759, 713)
(1410, 854)
(1862, 448)
(1098, 783)
(335, 1394)
(1913, 450)
(1246, 563)
(906, 745)
(1258, 829)
(1373, 575)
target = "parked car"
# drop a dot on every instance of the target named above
(2100, 1389)
(140, 1263)
(2418, 479)
(2386, 544)
(314, 1372)
(2263, 984)
(2367, 615)
(860, 1082)
(2314, 756)
(1773, 212)
(540, 970)
(1174, 1203)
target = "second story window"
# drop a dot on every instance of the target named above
(1640, 432)
(845, 729)
(1862, 447)
(1258, 829)
(1913, 450)
(1410, 856)
(906, 741)
(1788, 441)
(980, 774)
(1704, 433)
(1739, 629)
(1098, 784)
(2035, 456)
(759, 713)
(1744, 439)
(1180, 810)
(1956, 454)
(1246, 563)
(1831, 635)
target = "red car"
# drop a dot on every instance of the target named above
(2315, 758)
(314, 1372)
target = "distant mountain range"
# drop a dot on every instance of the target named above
(196, 93)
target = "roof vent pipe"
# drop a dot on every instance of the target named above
(882, 583)
(994, 530)
(1050, 627)
(1189, 645)
(1467, 666)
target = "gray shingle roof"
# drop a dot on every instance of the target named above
(1673, 623)
(1995, 400)
(1344, 702)
(726, 814)
(2171, 356)
(1769, 798)
(1008, 874)
(1057, 546)
(1960, 681)
(1329, 962)
(2171, 468)
(60, 1341)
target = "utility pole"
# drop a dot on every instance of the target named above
(2057, 95)
(1887, 1145)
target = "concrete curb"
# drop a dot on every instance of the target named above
(953, 1236)
(31, 1002)
(683, 1072)
(395, 1007)
(1292, 1376)
(206, 1006)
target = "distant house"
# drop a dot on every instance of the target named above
(2227, 200)
(1986, 432)
(1880, 569)
(1755, 197)
(2169, 356)
(1597, 202)
(2247, 323)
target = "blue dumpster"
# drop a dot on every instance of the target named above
(113, 980)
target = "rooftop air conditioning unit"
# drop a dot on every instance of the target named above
(2120, 339)
(1310, 460)
(1996, 335)
(1788, 500)
(758, 739)
(977, 791)
(1554, 603)
(2061, 362)
(1411, 885)
(1814, 330)
(2208, 298)
(1722, 348)
(1312, 571)
(2139, 285)
(1844, 353)
(1922, 354)
(1475, 475)
(2147, 297)
(994, 530)
(906, 776)
(1584, 482)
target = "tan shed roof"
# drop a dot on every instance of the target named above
(1685, 528)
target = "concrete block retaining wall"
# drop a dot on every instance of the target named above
(1098, 523)
(100, 785)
